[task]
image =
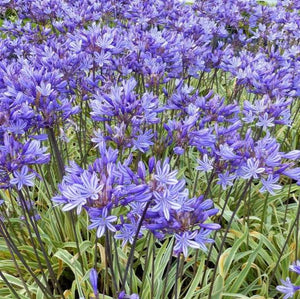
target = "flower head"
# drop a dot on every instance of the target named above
(184, 241)
(89, 186)
(22, 178)
(270, 184)
(103, 222)
(287, 288)
(205, 165)
(252, 169)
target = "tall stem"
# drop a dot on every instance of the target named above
(57, 154)
(130, 258)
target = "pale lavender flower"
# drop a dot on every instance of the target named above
(74, 200)
(287, 288)
(293, 155)
(90, 186)
(44, 89)
(226, 179)
(163, 174)
(103, 222)
(127, 233)
(184, 241)
(102, 58)
(249, 117)
(178, 150)
(22, 178)
(165, 202)
(265, 122)
(123, 295)
(143, 141)
(226, 152)
(252, 169)
(295, 267)
(99, 139)
(206, 164)
(270, 184)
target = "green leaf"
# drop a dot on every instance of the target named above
(229, 255)
(71, 261)
(241, 277)
(218, 288)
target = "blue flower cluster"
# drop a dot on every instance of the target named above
(143, 84)
(152, 195)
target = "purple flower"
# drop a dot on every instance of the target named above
(252, 169)
(287, 288)
(202, 238)
(75, 46)
(163, 174)
(178, 150)
(184, 241)
(227, 153)
(44, 89)
(293, 173)
(94, 280)
(265, 122)
(165, 202)
(70, 196)
(270, 184)
(295, 267)
(103, 222)
(123, 295)
(17, 127)
(206, 164)
(102, 58)
(226, 179)
(22, 178)
(143, 141)
(249, 117)
(293, 155)
(99, 139)
(127, 233)
(89, 186)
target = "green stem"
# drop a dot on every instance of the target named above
(262, 221)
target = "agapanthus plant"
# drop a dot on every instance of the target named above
(148, 148)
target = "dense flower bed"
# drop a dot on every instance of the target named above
(141, 131)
